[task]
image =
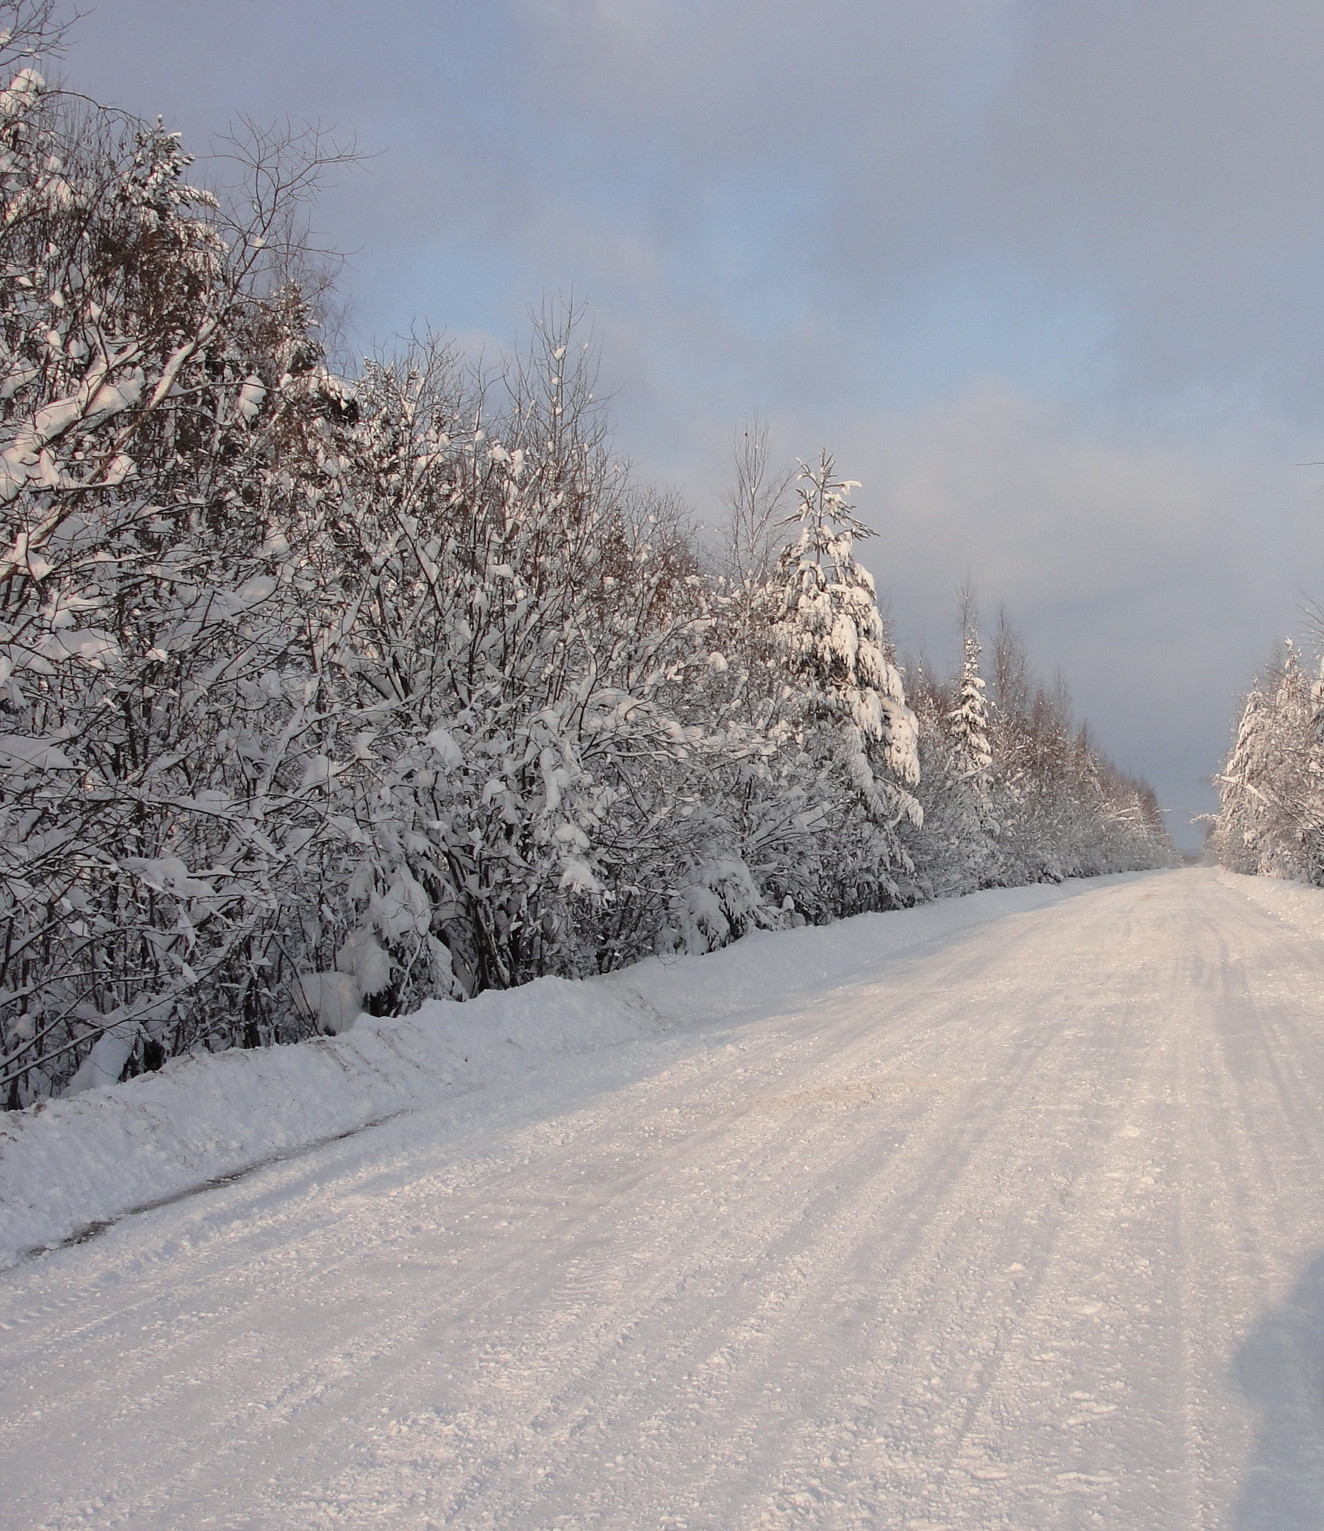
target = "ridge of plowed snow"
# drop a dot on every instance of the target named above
(1297, 903)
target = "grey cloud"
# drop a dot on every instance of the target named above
(1170, 154)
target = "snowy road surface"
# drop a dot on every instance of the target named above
(1024, 1228)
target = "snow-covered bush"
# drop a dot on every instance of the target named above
(523, 625)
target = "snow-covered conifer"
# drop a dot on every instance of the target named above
(845, 695)
(830, 632)
(969, 718)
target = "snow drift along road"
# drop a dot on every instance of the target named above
(1017, 1225)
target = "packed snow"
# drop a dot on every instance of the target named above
(1003, 1212)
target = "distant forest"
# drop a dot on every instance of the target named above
(329, 691)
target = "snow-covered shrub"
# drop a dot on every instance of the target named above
(717, 905)
(521, 627)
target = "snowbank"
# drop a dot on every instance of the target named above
(71, 1163)
(1296, 902)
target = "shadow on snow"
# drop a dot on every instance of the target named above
(1280, 1370)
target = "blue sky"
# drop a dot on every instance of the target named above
(1045, 275)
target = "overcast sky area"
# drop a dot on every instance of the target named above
(1046, 276)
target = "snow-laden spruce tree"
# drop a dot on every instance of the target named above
(970, 725)
(1056, 807)
(954, 848)
(853, 740)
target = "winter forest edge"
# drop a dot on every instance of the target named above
(325, 693)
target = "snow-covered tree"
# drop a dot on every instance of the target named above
(844, 694)
(1271, 818)
(756, 509)
(954, 848)
(969, 721)
(142, 628)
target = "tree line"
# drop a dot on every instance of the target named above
(325, 690)
(1271, 787)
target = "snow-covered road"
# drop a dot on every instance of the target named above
(1022, 1228)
